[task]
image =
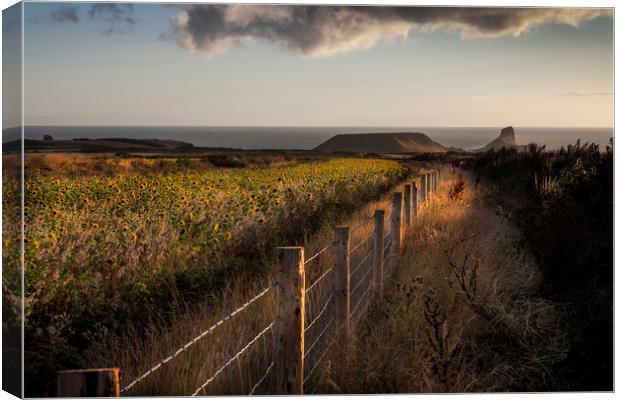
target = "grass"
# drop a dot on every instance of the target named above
(115, 254)
(462, 311)
(562, 204)
(136, 352)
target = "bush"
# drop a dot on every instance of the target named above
(562, 201)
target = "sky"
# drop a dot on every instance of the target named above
(217, 65)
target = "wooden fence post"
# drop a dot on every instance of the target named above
(427, 191)
(99, 382)
(342, 282)
(397, 220)
(414, 200)
(407, 204)
(291, 285)
(378, 252)
(422, 189)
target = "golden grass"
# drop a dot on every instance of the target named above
(434, 333)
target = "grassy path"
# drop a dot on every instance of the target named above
(461, 312)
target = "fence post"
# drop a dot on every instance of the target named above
(422, 189)
(414, 200)
(378, 252)
(427, 191)
(289, 357)
(99, 382)
(407, 205)
(342, 282)
(397, 219)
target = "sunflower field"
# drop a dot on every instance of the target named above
(105, 251)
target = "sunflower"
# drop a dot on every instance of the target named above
(227, 236)
(133, 237)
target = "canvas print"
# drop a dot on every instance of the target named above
(295, 199)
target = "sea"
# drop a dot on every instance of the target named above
(306, 138)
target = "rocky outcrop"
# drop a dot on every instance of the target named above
(506, 139)
(399, 142)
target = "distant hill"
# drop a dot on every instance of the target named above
(100, 145)
(400, 142)
(506, 139)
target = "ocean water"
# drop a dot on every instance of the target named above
(306, 138)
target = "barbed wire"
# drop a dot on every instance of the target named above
(195, 339)
(324, 249)
(233, 358)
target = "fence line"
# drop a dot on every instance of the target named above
(333, 301)
(233, 358)
(194, 340)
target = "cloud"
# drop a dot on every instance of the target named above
(586, 94)
(65, 14)
(316, 31)
(118, 16)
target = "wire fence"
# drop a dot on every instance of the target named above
(250, 368)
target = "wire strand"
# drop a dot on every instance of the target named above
(230, 361)
(361, 300)
(361, 262)
(257, 385)
(329, 299)
(324, 249)
(194, 340)
(361, 280)
(318, 279)
(316, 364)
(362, 224)
(318, 337)
(357, 246)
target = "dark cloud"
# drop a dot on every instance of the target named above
(325, 30)
(65, 14)
(118, 16)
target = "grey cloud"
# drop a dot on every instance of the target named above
(316, 31)
(118, 16)
(65, 14)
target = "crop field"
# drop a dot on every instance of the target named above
(112, 252)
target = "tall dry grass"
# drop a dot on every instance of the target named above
(137, 351)
(461, 312)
